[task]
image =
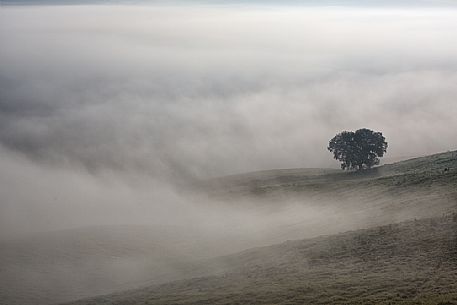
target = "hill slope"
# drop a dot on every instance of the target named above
(60, 266)
(413, 262)
(337, 201)
(410, 263)
(423, 172)
(282, 204)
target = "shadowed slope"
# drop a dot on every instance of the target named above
(412, 263)
(60, 266)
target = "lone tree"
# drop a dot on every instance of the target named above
(358, 150)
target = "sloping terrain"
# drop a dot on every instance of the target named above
(413, 262)
(437, 171)
(328, 201)
(420, 187)
(65, 265)
(282, 205)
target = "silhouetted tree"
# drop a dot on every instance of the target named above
(358, 150)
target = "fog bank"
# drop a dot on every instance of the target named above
(204, 91)
(126, 104)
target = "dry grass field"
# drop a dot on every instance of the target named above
(408, 262)
(407, 256)
(413, 262)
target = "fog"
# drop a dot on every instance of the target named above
(175, 94)
(110, 114)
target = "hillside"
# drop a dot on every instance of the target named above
(281, 205)
(420, 172)
(413, 262)
(59, 266)
(339, 201)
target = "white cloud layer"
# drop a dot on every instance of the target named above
(200, 91)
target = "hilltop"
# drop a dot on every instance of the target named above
(428, 171)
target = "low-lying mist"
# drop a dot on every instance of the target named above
(39, 198)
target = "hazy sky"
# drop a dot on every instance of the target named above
(197, 91)
(209, 91)
(366, 3)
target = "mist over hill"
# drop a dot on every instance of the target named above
(141, 143)
(375, 266)
(108, 112)
(240, 212)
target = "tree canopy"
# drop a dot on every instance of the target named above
(358, 150)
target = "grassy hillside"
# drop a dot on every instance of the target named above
(328, 201)
(282, 205)
(421, 172)
(413, 262)
(415, 188)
